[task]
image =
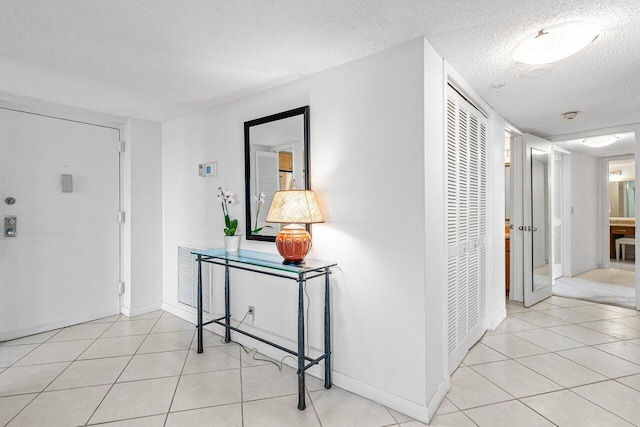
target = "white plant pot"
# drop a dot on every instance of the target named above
(232, 243)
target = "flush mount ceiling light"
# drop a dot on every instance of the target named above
(554, 43)
(600, 141)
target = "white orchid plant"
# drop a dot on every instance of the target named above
(226, 199)
(259, 202)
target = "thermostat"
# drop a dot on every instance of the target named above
(208, 169)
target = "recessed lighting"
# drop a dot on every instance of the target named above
(554, 43)
(600, 141)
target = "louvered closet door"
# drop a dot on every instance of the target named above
(466, 226)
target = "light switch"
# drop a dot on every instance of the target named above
(66, 181)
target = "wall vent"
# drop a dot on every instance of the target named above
(188, 280)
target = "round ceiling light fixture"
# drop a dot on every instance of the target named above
(554, 43)
(600, 141)
(570, 115)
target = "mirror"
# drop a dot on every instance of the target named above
(622, 188)
(539, 217)
(276, 157)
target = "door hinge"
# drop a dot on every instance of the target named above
(121, 217)
(121, 146)
(121, 288)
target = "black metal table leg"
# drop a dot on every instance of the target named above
(200, 344)
(301, 359)
(227, 304)
(327, 331)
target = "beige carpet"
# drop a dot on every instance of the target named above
(608, 286)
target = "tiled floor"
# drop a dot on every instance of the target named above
(563, 362)
(145, 372)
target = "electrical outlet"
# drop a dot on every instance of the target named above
(252, 312)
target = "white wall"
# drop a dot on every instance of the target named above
(584, 188)
(367, 168)
(142, 203)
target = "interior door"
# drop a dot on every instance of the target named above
(537, 228)
(60, 266)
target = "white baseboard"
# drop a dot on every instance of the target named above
(141, 310)
(397, 403)
(49, 326)
(495, 322)
(437, 399)
(584, 270)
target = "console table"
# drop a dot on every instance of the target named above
(271, 265)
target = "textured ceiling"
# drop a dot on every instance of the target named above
(161, 59)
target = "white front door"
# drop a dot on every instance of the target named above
(62, 265)
(537, 228)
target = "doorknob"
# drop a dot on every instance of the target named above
(521, 228)
(535, 228)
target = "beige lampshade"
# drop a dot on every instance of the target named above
(294, 207)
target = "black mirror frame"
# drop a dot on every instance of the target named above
(304, 111)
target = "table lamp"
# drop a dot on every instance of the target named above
(294, 207)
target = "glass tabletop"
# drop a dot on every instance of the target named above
(262, 259)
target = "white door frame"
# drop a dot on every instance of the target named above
(516, 245)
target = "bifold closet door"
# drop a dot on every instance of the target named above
(466, 180)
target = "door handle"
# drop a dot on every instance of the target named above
(521, 228)
(534, 228)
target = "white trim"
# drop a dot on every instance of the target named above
(495, 322)
(584, 270)
(49, 326)
(34, 106)
(631, 127)
(141, 310)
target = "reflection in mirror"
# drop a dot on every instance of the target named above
(622, 188)
(540, 217)
(276, 158)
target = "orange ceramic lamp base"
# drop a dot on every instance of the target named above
(293, 243)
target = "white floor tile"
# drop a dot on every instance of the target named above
(66, 351)
(455, 419)
(539, 318)
(29, 379)
(513, 324)
(566, 302)
(597, 312)
(512, 346)
(632, 322)
(210, 339)
(470, 389)
(85, 331)
(446, 407)
(632, 381)
(480, 353)
(548, 340)
(567, 409)
(154, 365)
(213, 359)
(614, 397)
(266, 381)
(223, 416)
(601, 362)
(208, 389)
(507, 414)
(61, 408)
(172, 324)
(152, 421)
(620, 332)
(622, 349)
(84, 373)
(11, 405)
(338, 408)
(108, 319)
(121, 329)
(11, 354)
(621, 310)
(169, 341)
(515, 379)
(116, 346)
(570, 315)
(277, 412)
(561, 370)
(583, 335)
(136, 399)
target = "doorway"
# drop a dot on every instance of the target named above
(59, 191)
